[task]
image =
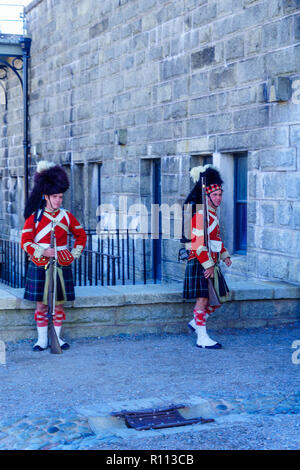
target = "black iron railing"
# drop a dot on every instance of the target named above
(13, 263)
(119, 257)
(128, 255)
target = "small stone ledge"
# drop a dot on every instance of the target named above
(105, 311)
(100, 296)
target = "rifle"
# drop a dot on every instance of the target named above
(212, 295)
(54, 342)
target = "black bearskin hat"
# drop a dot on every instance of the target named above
(213, 182)
(48, 179)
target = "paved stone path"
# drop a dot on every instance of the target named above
(70, 429)
(51, 402)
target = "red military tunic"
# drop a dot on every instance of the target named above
(207, 257)
(36, 237)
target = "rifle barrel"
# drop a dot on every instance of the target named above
(54, 342)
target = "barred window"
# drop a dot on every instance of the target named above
(240, 203)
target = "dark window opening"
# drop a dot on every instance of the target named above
(240, 203)
(156, 199)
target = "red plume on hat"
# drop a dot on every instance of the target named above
(48, 179)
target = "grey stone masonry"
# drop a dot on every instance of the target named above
(122, 83)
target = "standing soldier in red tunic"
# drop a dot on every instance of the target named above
(203, 261)
(42, 210)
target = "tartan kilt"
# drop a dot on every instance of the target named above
(35, 283)
(195, 284)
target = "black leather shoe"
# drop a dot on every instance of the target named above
(38, 348)
(215, 346)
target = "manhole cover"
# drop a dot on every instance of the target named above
(158, 418)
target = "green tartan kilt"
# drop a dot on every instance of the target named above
(196, 285)
(36, 280)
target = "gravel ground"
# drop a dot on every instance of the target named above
(259, 433)
(255, 364)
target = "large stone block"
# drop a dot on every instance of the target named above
(296, 215)
(284, 213)
(99, 28)
(223, 77)
(269, 137)
(297, 27)
(290, 5)
(279, 267)
(280, 62)
(278, 33)
(140, 41)
(207, 104)
(249, 17)
(278, 159)
(196, 127)
(180, 88)
(274, 185)
(267, 214)
(287, 111)
(253, 41)
(205, 14)
(174, 67)
(293, 186)
(176, 111)
(295, 135)
(278, 240)
(254, 117)
(164, 92)
(203, 58)
(250, 69)
(199, 83)
(243, 96)
(219, 123)
(234, 141)
(234, 48)
(252, 212)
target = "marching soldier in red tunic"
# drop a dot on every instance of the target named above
(42, 210)
(203, 261)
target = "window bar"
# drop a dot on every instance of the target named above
(133, 261)
(17, 268)
(108, 262)
(13, 271)
(96, 269)
(102, 266)
(114, 271)
(118, 252)
(144, 259)
(128, 260)
(123, 267)
(9, 262)
(85, 267)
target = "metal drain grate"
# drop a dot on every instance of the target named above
(168, 417)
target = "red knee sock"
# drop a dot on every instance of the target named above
(59, 316)
(200, 317)
(41, 318)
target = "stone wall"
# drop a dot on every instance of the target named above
(118, 82)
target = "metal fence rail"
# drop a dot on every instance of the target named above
(117, 257)
(132, 252)
(13, 263)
